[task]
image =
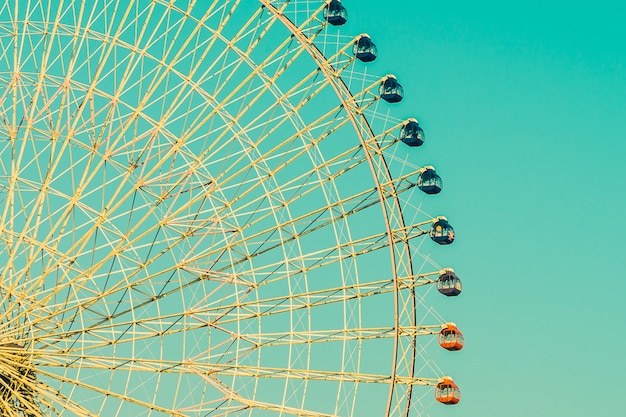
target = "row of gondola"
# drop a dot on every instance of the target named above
(428, 181)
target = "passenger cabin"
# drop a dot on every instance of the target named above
(448, 283)
(412, 134)
(451, 338)
(447, 392)
(429, 182)
(441, 231)
(390, 90)
(335, 13)
(364, 49)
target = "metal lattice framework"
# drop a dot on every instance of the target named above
(198, 219)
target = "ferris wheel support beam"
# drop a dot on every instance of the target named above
(394, 222)
(177, 189)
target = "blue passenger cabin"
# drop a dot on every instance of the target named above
(335, 13)
(390, 90)
(441, 231)
(412, 134)
(429, 182)
(364, 49)
(448, 283)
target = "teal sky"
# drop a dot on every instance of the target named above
(524, 107)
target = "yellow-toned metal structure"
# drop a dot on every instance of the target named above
(206, 210)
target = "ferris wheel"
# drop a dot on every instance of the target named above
(206, 212)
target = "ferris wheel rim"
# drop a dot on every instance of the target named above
(396, 234)
(347, 99)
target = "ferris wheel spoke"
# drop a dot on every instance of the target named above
(232, 369)
(338, 335)
(41, 219)
(215, 36)
(244, 56)
(253, 201)
(314, 213)
(341, 209)
(231, 402)
(260, 372)
(57, 401)
(19, 385)
(108, 392)
(342, 251)
(286, 303)
(8, 406)
(119, 251)
(242, 113)
(302, 186)
(100, 324)
(69, 283)
(65, 313)
(137, 368)
(103, 295)
(282, 409)
(305, 130)
(98, 335)
(256, 310)
(191, 189)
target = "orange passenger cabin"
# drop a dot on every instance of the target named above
(390, 90)
(448, 283)
(335, 13)
(442, 232)
(447, 392)
(451, 338)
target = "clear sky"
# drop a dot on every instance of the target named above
(524, 107)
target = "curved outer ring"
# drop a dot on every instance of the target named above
(392, 212)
